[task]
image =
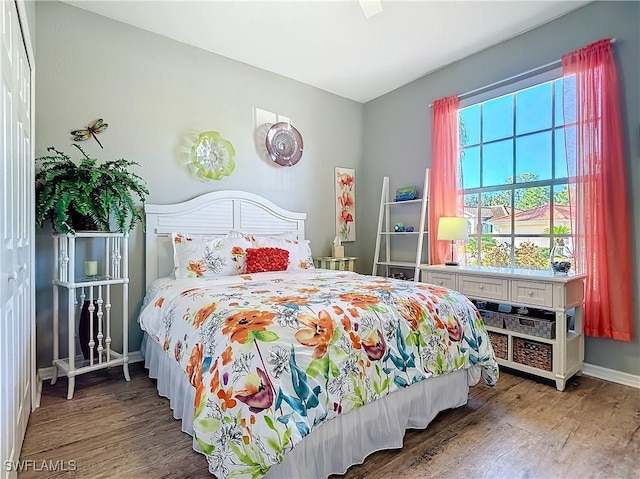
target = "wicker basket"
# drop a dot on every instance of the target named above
(532, 353)
(499, 343)
(543, 328)
(492, 318)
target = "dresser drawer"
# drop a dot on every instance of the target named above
(484, 287)
(532, 293)
(446, 280)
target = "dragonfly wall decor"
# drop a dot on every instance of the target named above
(92, 130)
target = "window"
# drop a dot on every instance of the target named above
(514, 173)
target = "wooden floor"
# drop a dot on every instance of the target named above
(519, 429)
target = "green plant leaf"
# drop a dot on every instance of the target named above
(103, 191)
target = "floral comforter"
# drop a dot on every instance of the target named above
(273, 355)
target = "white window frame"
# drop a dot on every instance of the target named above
(491, 92)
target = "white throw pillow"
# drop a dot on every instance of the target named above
(203, 256)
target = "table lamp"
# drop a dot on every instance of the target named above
(453, 228)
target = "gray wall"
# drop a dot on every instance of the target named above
(157, 95)
(397, 126)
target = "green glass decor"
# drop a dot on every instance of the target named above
(212, 156)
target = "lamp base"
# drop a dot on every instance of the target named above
(451, 263)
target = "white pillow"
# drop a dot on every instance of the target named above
(205, 256)
(300, 256)
(287, 235)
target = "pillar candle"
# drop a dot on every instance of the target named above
(91, 268)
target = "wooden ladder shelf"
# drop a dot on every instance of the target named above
(384, 262)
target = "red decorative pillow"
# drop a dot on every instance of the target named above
(267, 259)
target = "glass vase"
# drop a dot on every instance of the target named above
(561, 258)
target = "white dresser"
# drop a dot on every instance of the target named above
(532, 289)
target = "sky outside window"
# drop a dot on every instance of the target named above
(535, 115)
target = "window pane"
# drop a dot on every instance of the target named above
(561, 211)
(495, 252)
(570, 148)
(561, 195)
(497, 118)
(532, 253)
(494, 214)
(532, 214)
(533, 157)
(533, 109)
(471, 212)
(471, 251)
(470, 125)
(566, 100)
(558, 105)
(471, 167)
(560, 157)
(497, 163)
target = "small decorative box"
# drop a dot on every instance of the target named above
(337, 264)
(337, 251)
(504, 308)
(406, 193)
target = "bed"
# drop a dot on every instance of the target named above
(291, 371)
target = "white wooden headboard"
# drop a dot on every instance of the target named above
(217, 212)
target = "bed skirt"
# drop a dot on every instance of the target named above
(341, 442)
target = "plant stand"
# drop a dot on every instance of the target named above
(93, 294)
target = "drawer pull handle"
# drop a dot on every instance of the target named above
(481, 286)
(530, 293)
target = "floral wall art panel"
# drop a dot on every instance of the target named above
(345, 203)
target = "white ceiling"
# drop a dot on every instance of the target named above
(331, 44)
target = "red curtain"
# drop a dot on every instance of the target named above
(598, 190)
(444, 197)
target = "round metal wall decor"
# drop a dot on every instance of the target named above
(284, 144)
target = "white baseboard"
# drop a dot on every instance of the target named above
(45, 374)
(611, 375)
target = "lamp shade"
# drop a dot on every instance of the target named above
(452, 228)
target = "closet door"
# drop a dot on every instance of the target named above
(17, 322)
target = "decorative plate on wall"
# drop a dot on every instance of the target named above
(284, 144)
(212, 156)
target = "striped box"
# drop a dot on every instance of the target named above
(338, 264)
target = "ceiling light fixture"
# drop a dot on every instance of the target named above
(370, 7)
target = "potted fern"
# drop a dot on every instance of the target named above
(104, 192)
